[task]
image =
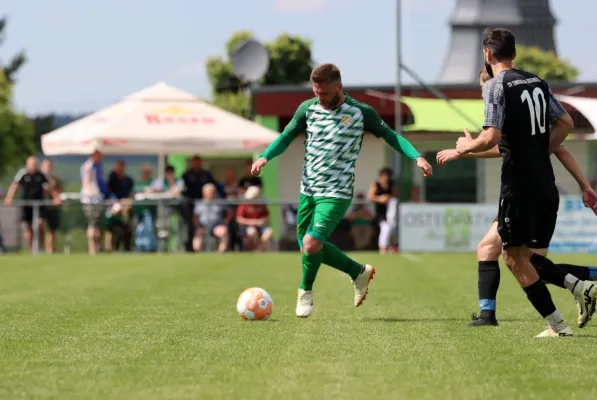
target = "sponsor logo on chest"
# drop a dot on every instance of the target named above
(346, 121)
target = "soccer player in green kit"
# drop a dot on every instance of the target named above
(334, 124)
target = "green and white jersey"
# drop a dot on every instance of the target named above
(333, 143)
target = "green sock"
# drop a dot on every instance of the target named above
(335, 258)
(311, 264)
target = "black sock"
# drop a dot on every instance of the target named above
(540, 298)
(489, 282)
(548, 271)
(582, 273)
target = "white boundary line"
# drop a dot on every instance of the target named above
(410, 257)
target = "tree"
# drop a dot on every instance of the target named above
(42, 124)
(16, 62)
(290, 64)
(16, 131)
(545, 64)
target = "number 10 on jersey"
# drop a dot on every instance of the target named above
(537, 109)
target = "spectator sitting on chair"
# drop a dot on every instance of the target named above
(145, 185)
(194, 179)
(253, 221)
(211, 219)
(118, 226)
(248, 180)
(361, 219)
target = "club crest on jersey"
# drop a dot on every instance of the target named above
(346, 121)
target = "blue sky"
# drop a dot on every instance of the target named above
(86, 55)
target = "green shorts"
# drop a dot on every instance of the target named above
(319, 216)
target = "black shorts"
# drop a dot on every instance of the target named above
(27, 214)
(528, 221)
(52, 218)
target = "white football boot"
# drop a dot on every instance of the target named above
(304, 303)
(585, 303)
(361, 284)
(559, 330)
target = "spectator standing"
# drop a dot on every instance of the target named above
(119, 233)
(230, 184)
(171, 186)
(52, 212)
(120, 185)
(94, 191)
(35, 185)
(380, 193)
(194, 179)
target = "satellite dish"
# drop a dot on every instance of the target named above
(250, 61)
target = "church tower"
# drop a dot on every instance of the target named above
(531, 21)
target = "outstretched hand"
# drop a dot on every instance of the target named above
(589, 199)
(446, 156)
(258, 165)
(425, 167)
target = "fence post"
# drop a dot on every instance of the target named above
(35, 228)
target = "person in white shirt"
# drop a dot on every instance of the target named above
(168, 183)
(93, 193)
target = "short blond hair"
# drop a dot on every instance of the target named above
(325, 74)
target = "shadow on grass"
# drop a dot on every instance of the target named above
(584, 336)
(433, 319)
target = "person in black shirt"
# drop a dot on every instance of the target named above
(34, 184)
(194, 179)
(489, 248)
(120, 185)
(520, 111)
(380, 193)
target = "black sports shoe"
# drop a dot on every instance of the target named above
(483, 321)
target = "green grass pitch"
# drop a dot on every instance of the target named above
(165, 327)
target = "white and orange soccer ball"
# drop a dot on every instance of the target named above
(255, 304)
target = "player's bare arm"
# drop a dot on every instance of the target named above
(447, 155)
(561, 123)
(495, 114)
(589, 196)
(486, 141)
(12, 190)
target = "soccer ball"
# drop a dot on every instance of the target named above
(255, 304)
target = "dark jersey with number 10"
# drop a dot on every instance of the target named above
(523, 107)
